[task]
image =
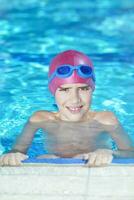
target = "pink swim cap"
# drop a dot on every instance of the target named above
(73, 58)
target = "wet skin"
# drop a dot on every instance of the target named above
(74, 129)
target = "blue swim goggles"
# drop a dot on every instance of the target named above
(65, 71)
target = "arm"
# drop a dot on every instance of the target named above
(18, 153)
(122, 139)
(25, 138)
(124, 143)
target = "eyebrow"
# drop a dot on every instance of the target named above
(64, 87)
(71, 87)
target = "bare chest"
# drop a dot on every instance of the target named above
(71, 138)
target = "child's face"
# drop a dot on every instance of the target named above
(73, 101)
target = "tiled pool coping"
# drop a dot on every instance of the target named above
(67, 182)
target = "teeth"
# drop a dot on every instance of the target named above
(74, 108)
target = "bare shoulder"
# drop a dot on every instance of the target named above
(106, 117)
(42, 115)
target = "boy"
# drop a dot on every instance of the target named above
(75, 130)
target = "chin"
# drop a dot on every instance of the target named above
(75, 118)
(68, 116)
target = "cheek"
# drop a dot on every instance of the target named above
(60, 98)
(86, 97)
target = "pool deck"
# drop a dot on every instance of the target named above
(67, 182)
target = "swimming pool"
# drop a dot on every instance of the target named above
(33, 31)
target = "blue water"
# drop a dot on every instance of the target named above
(32, 32)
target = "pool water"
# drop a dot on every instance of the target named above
(32, 32)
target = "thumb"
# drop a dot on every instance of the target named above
(86, 156)
(25, 156)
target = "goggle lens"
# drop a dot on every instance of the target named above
(86, 70)
(63, 70)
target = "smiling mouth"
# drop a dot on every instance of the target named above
(75, 110)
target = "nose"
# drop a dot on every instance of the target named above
(75, 97)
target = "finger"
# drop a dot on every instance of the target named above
(92, 158)
(99, 160)
(5, 160)
(21, 156)
(110, 159)
(18, 158)
(26, 156)
(18, 161)
(86, 156)
(14, 161)
(1, 160)
(103, 160)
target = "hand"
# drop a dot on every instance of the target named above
(100, 157)
(12, 159)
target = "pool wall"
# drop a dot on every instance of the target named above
(67, 182)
